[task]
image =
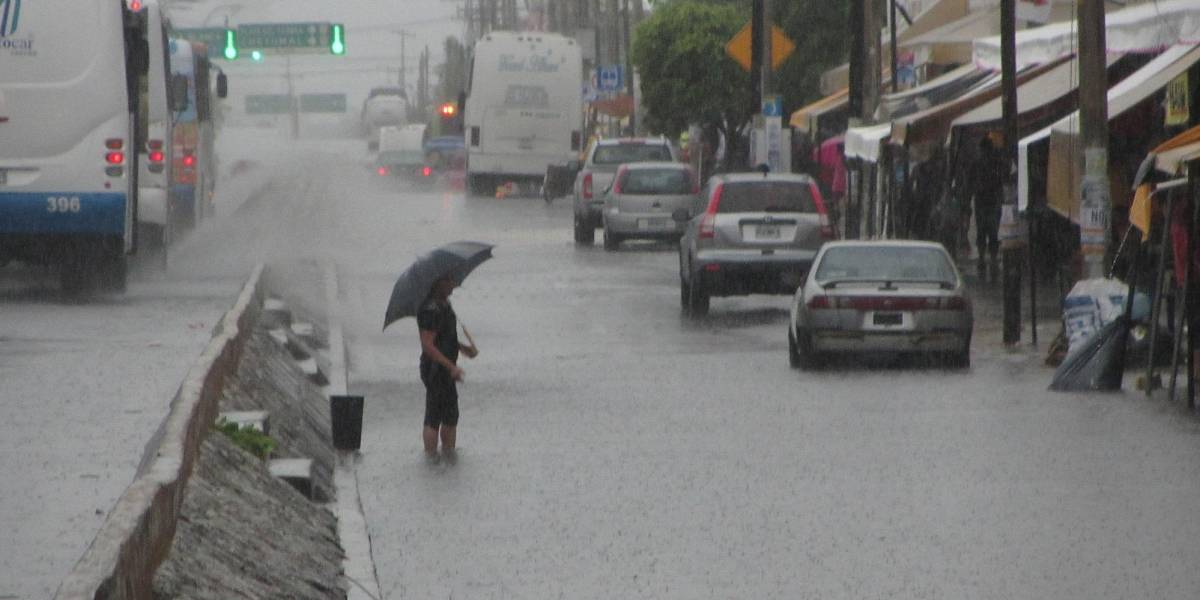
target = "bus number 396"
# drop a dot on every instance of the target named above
(62, 204)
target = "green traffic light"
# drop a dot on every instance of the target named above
(337, 41)
(256, 55)
(231, 51)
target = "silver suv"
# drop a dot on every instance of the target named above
(597, 173)
(756, 234)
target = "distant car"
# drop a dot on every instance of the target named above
(756, 234)
(894, 296)
(402, 154)
(640, 202)
(597, 172)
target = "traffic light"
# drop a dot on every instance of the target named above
(231, 50)
(256, 55)
(448, 110)
(337, 39)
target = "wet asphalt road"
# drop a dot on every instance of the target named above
(611, 449)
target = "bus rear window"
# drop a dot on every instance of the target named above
(766, 196)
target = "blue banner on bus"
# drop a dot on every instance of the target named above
(65, 212)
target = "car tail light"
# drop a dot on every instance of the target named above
(114, 158)
(712, 267)
(827, 231)
(819, 303)
(587, 186)
(708, 222)
(114, 143)
(382, 171)
(426, 171)
(189, 160)
(616, 188)
(899, 303)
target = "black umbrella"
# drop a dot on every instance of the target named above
(455, 260)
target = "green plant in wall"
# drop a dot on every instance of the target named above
(248, 438)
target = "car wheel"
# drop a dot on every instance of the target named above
(611, 241)
(960, 359)
(800, 352)
(585, 235)
(698, 300)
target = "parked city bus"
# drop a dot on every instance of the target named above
(524, 109)
(193, 173)
(69, 81)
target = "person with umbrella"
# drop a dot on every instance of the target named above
(438, 327)
(423, 290)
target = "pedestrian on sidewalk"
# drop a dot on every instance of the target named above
(440, 348)
(987, 181)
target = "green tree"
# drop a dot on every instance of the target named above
(819, 29)
(679, 51)
(452, 74)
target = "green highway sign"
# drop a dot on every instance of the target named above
(285, 38)
(323, 103)
(267, 104)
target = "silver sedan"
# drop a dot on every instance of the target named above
(641, 199)
(881, 296)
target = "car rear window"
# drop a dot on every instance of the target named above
(885, 263)
(656, 181)
(766, 196)
(628, 153)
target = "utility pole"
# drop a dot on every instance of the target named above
(756, 55)
(872, 57)
(892, 34)
(854, 100)
(628, 66)
(1012, 248)
(767, 81)
(1095, 204)
(403, 58)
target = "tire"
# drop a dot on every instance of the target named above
(698, 300)
(478, 184)
(800, 352)
(611, 241)
(114, 273)
(585, 234)
(960, 359)
(685, 294)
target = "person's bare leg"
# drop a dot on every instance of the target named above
(448, 434)
(430, 436)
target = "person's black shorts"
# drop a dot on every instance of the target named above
(441, 400)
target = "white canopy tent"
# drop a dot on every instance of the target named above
(1123, 96)
(864, 142)
(1146, 27)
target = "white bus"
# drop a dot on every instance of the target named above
(524, 107)
(68, 161)
(154, 149)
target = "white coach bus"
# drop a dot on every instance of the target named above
(68, 158)
(524, 107)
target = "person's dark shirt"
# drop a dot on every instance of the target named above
(988, 178)
(440, 319)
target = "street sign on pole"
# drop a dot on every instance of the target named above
(285, 38)
(738, 47)
(610, 78)
(323, 103)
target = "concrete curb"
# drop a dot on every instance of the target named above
(136, 537)
(359, 565)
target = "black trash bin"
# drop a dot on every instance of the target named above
(346, 415)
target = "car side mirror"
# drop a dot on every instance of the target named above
(681, 215)
(179, 93)
(222, 85)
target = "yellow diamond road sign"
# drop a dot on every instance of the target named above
(738, 48)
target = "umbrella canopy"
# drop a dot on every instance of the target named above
(456, 260)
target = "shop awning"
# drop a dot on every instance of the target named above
(801, 119)
(1047, 96)
(1147, 27)
(932, 124)
(1170, 156)
(1130, 92)
(931, 93)
(864, 142)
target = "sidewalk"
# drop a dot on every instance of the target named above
(987, 296)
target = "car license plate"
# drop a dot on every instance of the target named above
(651, 223)
(889, 319)
(766, 232)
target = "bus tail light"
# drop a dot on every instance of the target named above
(115, 158)
(114, 143)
